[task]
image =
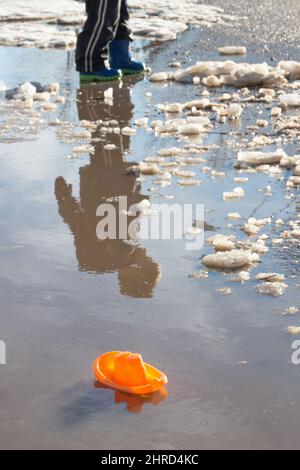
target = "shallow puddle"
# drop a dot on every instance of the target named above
(66, 296)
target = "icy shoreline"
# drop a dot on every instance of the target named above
(45, 24)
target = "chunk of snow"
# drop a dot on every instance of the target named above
(232, 50)
(290, 100)
(128, 131)
(159, 77)
(274, 289)
(234, 259)
(237, 193)
(261, 158)
(270, 277)
(293, 330)
(233, 216)
(234, 111)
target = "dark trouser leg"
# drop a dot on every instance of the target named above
(100, 28)
(123, 31)
(119, 48)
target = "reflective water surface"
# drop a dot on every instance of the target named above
(66, 296)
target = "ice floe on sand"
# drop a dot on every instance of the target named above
(44, 23)
(37, 34)
(38, 23)
(215, 74)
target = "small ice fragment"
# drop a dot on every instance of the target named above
(53, 88)
(261, 123)
(212, 81)
(234, 216)
(27, 89)
(240, 180)
(277, 241)
(204, 121)
(87, 124)
(193, 231)
(234, 111)
(232, 50)
(274, 289)
(251, 229)
(81, 149)
(291, 311)
(173, 108)
(290, 68)
(259, 222)
(218, 174)
(141, 122)
(143, 205)
(170, 152)
(267, 91)
(199, 275)
(261, 158)
(190, 129)
(290, 100)
(174, 64)
(49, 106)
(128, 131)
(237, 193)
(268, 190)
(147, 169)
(184, 173)
(275, 112)
(242, 276)
(222, 243)
(159, 77)
(225, 97)
(60, 99)
(270, 277)
(189, 182)
(293, 330)
(110, 147)
(165, 176)
(295, 233)
(234, 259)
(224, 290)
(297, 170)
(44, 96)
(83, 134)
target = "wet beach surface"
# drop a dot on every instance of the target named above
(65, 297)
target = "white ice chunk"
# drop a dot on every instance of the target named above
(234, 259)
(274, 289)
(232, 50)
(261, 158)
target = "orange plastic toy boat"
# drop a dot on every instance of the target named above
(127, 372)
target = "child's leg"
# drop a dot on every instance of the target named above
(99, 28)
(123, 30)
(120, 56)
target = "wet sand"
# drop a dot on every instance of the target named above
(65, 297)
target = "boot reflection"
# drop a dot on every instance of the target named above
(135, 403)
(103, 180)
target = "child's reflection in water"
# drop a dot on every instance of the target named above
(104, 177)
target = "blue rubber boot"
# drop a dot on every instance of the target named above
(120, 58)
(102, 75)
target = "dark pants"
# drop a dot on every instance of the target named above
(107, 20)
